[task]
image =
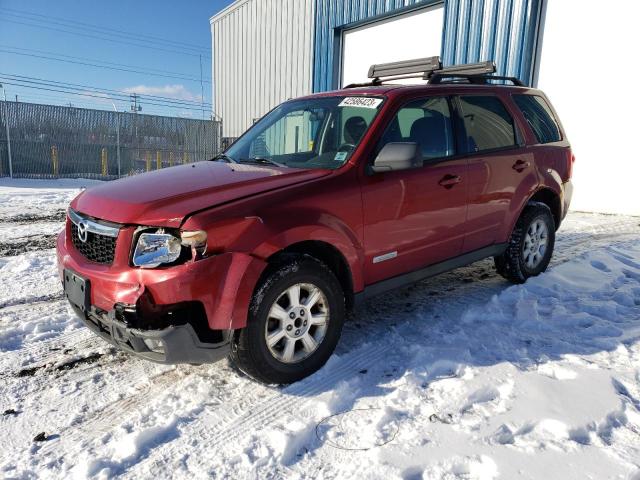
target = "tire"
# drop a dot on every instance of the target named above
(530, 246)
(278, 364)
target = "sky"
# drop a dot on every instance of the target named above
(151, 48)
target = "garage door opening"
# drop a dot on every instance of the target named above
(413, 35)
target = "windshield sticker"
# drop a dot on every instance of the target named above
(364, 102)
(340, 156)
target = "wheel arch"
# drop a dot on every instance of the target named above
(552, 200)
(324, 252)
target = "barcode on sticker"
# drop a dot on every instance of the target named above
(364, 102)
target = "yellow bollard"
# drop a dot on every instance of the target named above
(171, 159)
(158, 161)
(103, 160)
(147, 157)
(54, 160)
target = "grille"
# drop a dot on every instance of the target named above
(97, 248)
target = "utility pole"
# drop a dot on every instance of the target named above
(6, 124)
(201, 89)
(135, 108)
(117, 136)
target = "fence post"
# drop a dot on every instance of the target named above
(6, 124)
(118, 141)
(185, 158)
(158, 160)
(171, 159)
(103, 158)
(54, 160)
(147, 156)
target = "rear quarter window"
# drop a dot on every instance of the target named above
(487, 123)
(539, 117)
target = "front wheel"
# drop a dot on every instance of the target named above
(294, 324)
(530, 246)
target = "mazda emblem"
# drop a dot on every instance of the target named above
(83, 230)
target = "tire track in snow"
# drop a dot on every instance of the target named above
(231, 421)
(103, 418)
(30, 301)
(224, 426)
(55, 216)
(28, 243)
(257, 405)
(568, 248)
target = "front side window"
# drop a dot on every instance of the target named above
(309, 133)
(488, 125)
(539, 117)
(426, 122)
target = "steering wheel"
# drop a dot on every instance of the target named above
(346, 147)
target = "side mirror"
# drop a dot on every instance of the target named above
(397, 156)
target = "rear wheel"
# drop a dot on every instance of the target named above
(530, 246)
(294, 324)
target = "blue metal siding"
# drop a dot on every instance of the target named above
(337, 14)
(500, 30)
(504, 31)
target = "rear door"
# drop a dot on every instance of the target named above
(501, 169)
(414, 218)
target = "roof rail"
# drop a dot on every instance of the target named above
(430, 68)
(478, 79)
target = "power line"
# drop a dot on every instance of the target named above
(56, 101)
(85, 94)
(82, 87)
(107, 39)
(49, 53)
(50, 99)
(129, 70)
(99, 28)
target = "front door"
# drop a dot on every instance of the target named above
(415, 218)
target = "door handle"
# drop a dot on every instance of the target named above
(448, 181)
(521, 165)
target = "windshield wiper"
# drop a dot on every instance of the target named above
(263, 160)
(224, 157)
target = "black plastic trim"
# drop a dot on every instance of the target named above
(430, 271)
(181, 342)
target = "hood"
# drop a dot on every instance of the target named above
(164, 197)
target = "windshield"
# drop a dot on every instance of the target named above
(310, 133)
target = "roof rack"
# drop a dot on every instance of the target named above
(415, 68)
(430, 68)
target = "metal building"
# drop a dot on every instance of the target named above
(262, 55)
(265, 51)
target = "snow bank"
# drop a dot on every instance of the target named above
(459, 377)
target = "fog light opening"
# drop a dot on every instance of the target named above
(154, 345)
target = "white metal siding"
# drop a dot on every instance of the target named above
(262, 55)
(598, 112)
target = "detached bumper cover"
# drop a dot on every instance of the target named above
(172, 344)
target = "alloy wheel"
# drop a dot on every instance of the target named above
(297, 323)
(535, 243)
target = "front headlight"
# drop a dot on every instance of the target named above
(154, 249)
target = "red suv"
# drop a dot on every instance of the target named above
(326, 201)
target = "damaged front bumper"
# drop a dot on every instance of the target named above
(177, 340)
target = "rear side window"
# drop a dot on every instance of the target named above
(487, 123)
(539, 117)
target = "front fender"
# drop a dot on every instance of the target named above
(319, 233)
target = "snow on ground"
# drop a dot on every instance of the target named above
(460, 377)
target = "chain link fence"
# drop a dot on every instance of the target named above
(50, 141)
